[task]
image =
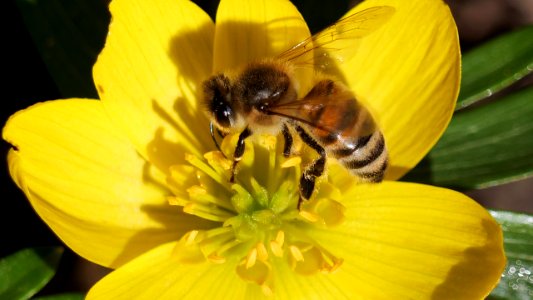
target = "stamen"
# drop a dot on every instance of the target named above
(331, 263)
(327, 190)
(291, 162)
(173, 201)
(273, 174)
(296, 253)
(251, 258)
(190, 237)
(330, 211)
(219, 243)
(311, 263)
(181, 201)
(216, 241)
(269, 141)
(201, 195)
(209, 184)
(208, 213)
(309, 216)
(259, 222)
(196, 191)
(198, 163)
(180, 176)
(267, 290)
(215, 258)
(187, 251)
(329, 269)
(276, 249)
(259, 273)
(235, 221)
(227, 247)
(280, 238)
(217, 159)
(262, 252)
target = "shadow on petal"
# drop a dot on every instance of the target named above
(164, 115)
(188, 135)
(180, 131)
(185, 127)
(174, 224)
(489, 262)
(243, 42)
(251, 42)
(391, 169)
(191, 52)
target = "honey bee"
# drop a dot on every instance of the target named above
(262, 97)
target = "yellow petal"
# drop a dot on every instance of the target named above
(88, 183)
(411, 241)
(289, 285)
(156, 54)
(159, 274)
(250, 30)
(407, 72)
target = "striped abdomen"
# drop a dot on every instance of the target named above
(348, 133)
(367, 158)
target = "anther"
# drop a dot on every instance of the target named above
(215, 258)
(276, 248)
(191, 237)
(309, 216)
(267, 290)
(251, 258)
(172, 201)
(291, 162)
(280, 238)
(296, 253)
(262, 252)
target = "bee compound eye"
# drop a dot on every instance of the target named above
(217, 99)
(223, 114)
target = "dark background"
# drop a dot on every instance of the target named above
(27, 81)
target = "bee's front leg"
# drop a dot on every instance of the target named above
(288, 141)
(316, 169)
(239, 151)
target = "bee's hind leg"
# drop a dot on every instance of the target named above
(239, 151)
(316, 169)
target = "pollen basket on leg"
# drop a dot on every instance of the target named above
(260, 226)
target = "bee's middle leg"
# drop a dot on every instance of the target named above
(316, 169)
(239, 151)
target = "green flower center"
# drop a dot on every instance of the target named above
(260, 225)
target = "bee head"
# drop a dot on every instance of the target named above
(217, 98)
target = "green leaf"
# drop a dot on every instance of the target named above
(517, 279)
(496, 65)
(67, 296)
(69, 34)
(25, 272)
(486, 146)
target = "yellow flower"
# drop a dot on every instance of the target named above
(132, 182)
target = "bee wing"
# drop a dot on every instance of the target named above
(329, 113)
(337, 43)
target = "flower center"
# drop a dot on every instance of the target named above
(260, 225)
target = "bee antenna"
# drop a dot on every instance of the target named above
(211, 129)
